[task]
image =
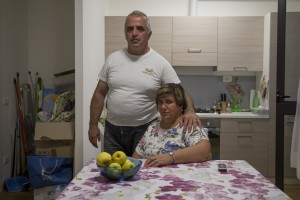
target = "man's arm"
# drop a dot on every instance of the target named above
(190, 119)
(96, 108)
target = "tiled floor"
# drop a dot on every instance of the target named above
(291, 190)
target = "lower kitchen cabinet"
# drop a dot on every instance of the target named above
(245, 139)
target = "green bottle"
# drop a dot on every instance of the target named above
(255, 102)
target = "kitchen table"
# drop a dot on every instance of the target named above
(239, 115)
(176, 182)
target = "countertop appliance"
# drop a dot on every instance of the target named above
(202, 110)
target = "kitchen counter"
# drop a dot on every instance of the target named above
(233, 115)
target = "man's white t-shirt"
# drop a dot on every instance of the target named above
(133, 82)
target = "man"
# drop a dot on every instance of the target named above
(129, 80)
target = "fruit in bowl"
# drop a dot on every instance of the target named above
(103, 159)
(118, 167)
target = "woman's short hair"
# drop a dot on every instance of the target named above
(174, 89)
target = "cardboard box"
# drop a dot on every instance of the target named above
(55, 138)
(48, 192)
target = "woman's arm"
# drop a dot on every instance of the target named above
(199, 152)
(136, 155)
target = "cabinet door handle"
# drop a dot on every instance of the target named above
(244, 136)
(192, 50)
(240, 69)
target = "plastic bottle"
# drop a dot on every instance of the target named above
(228, 109)
(215, 107)
(256, 101)
(219, 107)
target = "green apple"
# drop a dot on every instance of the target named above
(115, 165)
(119, 157)
(114, 170)
(103, 159)
(128, 165)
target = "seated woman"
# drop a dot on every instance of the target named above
(164, 142)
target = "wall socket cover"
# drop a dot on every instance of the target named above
(5, 101)
(5, 160)
(227, 78)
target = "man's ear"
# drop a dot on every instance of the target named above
(149, 35)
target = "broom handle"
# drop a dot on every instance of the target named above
(21, 117)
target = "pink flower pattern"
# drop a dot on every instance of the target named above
(157, 140)
(183, 181)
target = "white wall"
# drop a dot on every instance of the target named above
(13, 58)
(18, 44)
(51, 39)
(37, 36)
(153, 8)
(89, 35)
(181, 7)
(92, 24)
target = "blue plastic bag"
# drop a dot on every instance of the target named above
(48, 170)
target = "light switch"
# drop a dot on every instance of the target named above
(5, 101)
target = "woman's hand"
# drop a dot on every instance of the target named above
(159, 160)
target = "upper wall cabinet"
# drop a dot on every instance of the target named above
(160, 41)
(114, 34)
(240, 43)
(161, 38)
(194, 41)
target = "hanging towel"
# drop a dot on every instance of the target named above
(295, 148)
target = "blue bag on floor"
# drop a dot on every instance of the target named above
(48, 170)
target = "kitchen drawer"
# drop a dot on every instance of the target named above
(244, 125)
(252, 147)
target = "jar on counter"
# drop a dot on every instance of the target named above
(228, 109)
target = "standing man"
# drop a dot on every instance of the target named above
(129, 80)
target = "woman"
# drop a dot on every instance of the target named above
(164, 142)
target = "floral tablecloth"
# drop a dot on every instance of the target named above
(176, 182)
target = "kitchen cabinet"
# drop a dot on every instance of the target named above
(245, 139)
(240, 43)
(114, 34)
(194, 41)
(160, 41)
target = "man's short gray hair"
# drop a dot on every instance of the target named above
(140, 13)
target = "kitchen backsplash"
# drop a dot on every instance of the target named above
(207, 89)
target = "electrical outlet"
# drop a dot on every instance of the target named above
(5, 101)
(227, 79)
(5, 160)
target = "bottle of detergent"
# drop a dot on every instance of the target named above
(256, 101)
